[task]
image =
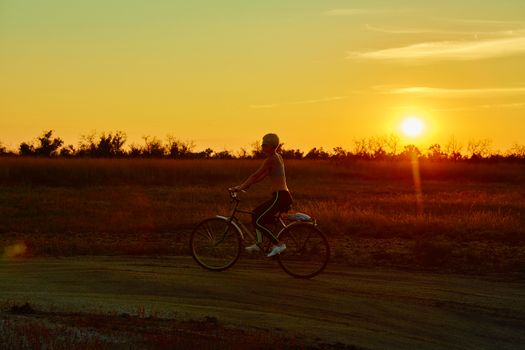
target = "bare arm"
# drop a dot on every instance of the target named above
(257, 176)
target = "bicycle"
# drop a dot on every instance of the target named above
(216, 243)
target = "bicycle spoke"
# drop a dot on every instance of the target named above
(303, 248)
(306, 253)
(223, 236)
(205, 235)
(293, 238)
(208, 231)
(215, 244)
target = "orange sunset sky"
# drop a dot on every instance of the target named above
(223, 73)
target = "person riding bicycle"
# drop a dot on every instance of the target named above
(281, 201)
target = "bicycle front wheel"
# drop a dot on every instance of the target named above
(307, 250)
(215, 244)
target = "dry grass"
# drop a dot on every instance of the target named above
(23, 327)
(473, 215)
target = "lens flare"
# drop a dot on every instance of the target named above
(15, 250)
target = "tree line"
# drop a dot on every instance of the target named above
(112, 145)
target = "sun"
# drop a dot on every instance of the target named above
(412, 126)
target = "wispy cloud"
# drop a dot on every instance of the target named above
(485, 106)
(518, 105)
(367, 11)
(324, 99)
(445, 92)
(452, 50)
(485, 22)
(396, 30)
(474, 33)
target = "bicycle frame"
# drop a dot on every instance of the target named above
(243, 230)
(294, 231)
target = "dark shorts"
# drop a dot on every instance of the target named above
(264, 214)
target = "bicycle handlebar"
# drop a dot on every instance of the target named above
(234, 194)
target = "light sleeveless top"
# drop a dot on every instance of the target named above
(277, 169)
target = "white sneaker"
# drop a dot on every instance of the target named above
(277, 249)
(252, 248)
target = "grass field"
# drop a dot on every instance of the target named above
(23, 327)
(470, 217)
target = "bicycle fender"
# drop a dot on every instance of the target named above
(233, 223)
(295, 223)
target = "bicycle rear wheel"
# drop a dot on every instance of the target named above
(215, 244)
(307, 250)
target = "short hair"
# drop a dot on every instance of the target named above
(271, 140)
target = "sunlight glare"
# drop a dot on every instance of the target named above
(412, 126)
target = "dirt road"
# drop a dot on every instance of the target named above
(370, 308)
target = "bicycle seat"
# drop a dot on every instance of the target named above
(299, 217)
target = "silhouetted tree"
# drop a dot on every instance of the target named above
(291, 153)
(135, 151)
(516, 151)
(48, 144)
(339, 153)
(453, 149)
(391, 144)
(316, 153)
(3, 150)
(375, 147)
(205, 154)
(479, 149)
(410, 151)
(116, 142)
(385, 147)
(107, 145)
(152, 147)
(104, 148)
(223, 155)
(361, 149)
(26, 149)
(179, 149)
(110, 145)
(242, 153)
(435, 153)
(257, 152)
(379, 153)
(87, 145)
(68, 151)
